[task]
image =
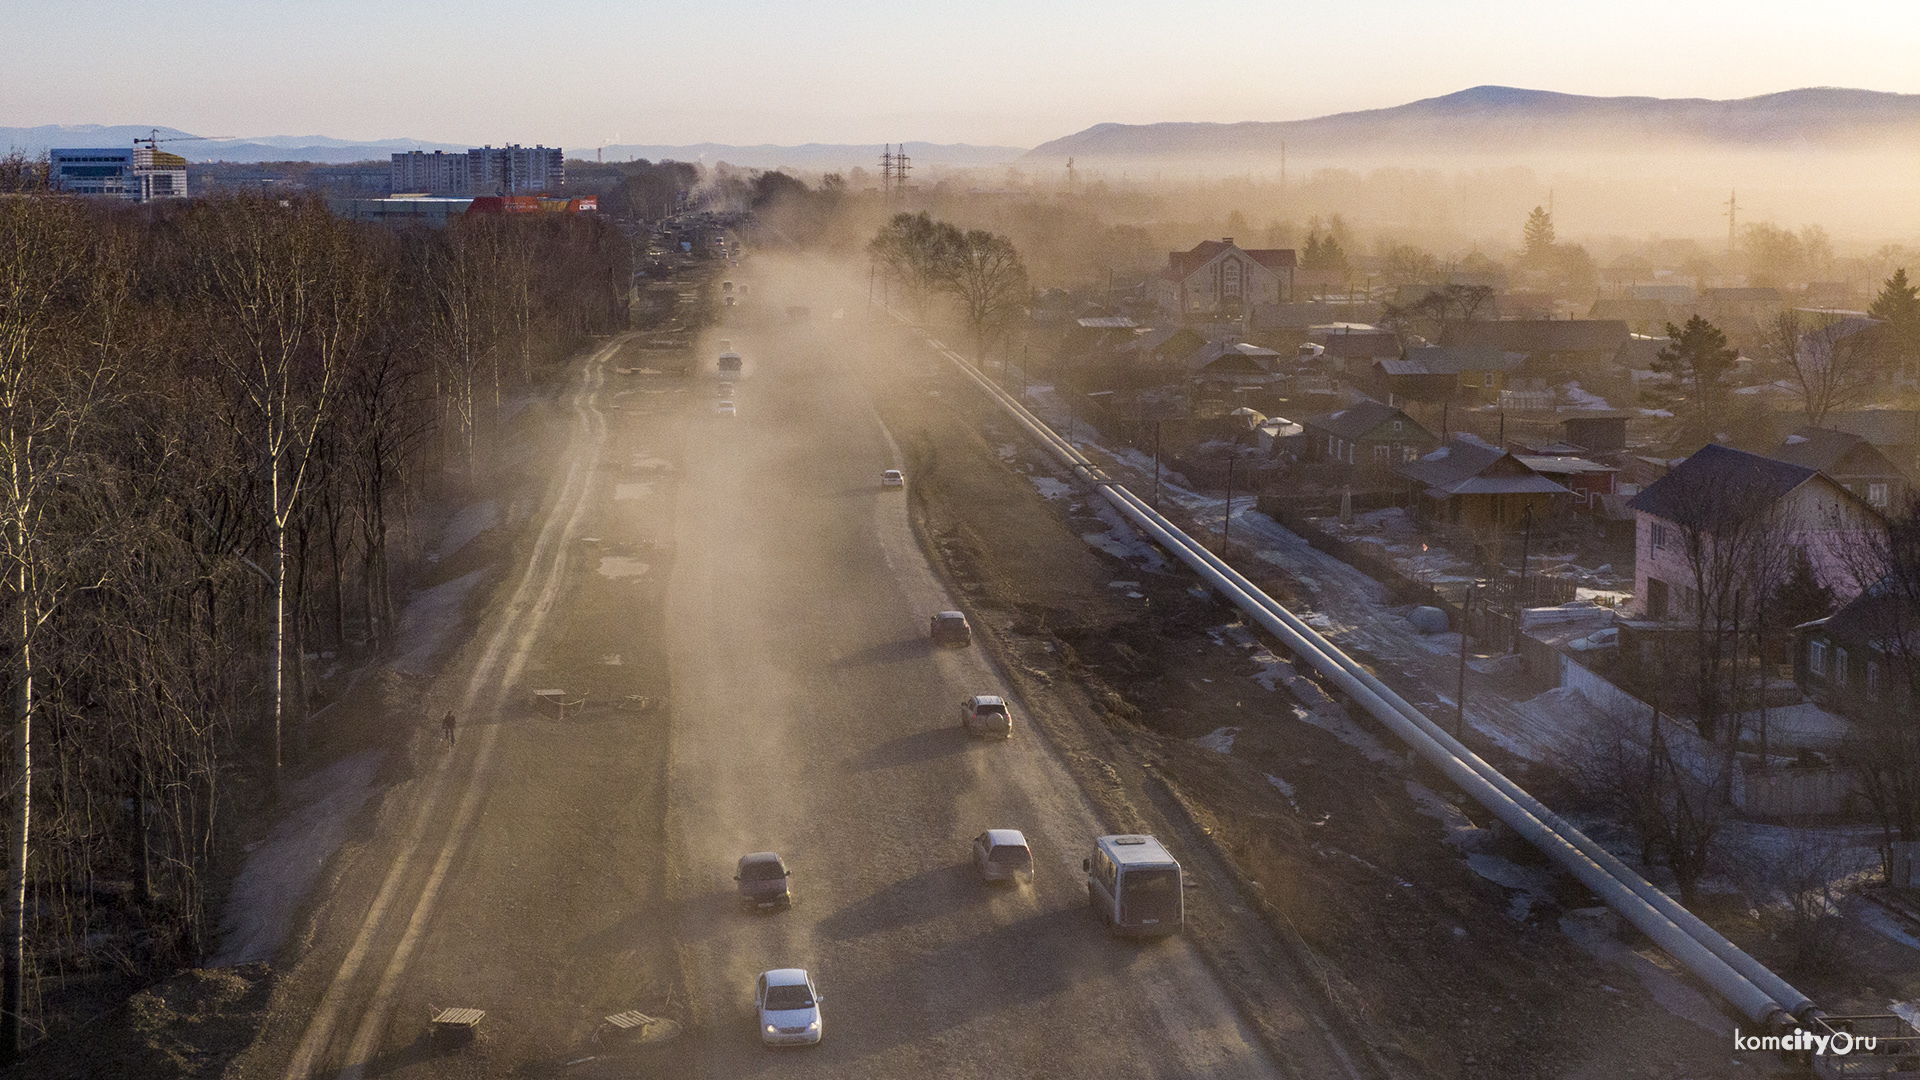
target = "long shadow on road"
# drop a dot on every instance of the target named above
(929, 894)
(914, 748)
(887, 652)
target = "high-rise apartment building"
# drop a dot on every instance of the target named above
(487, 170)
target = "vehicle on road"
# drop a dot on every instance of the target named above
(725, 408)
(1003, 855)
(763, 878)
(788, 1007)
(893, 478)
(987, 716)
(950, 628)
(1134, 886)
(726, 390)
(729, 363)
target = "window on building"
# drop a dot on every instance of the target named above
(1817, 658)
(1660, 539)
(1230, 278)
(1381, 452)
(1657, 601)
(1873, 680)
(1397, 426)
(1877, 495)
(1839, 667)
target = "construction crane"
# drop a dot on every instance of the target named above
(153, 139)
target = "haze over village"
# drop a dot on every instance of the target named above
(869, 542)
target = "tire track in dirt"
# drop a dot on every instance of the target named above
(520, 622)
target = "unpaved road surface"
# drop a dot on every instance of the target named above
(750, 578)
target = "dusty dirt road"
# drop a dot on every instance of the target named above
(813, 717)
(750, 574)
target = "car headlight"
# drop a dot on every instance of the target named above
(771, 1030)
(813, 1025)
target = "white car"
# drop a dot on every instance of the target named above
(725, 408)
(788, 1007)
(1003, 855)
(893, 478)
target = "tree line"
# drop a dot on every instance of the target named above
(216, 418)
(980, 271)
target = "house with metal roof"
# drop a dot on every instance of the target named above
(1552, 347)
(1476, 485)
(1235, 360)
(1367, 437)
(1444, 373)
(1851, 461)
(1701, 504)
(1859, 659)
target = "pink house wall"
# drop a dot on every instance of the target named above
(1822, 519)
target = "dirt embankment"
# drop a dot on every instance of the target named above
(1353, 858)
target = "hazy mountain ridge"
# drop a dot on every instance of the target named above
(322, 148)
(1499, 118)
(822, 156)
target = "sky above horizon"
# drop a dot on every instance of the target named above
(591, 72)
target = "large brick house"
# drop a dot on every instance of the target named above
(1810, 512)
(1220, 276)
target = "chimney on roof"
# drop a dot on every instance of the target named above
(1228, 240)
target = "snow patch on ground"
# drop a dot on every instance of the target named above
(1122, 541)
(1050, 487)
(1530, 886)
(622, 566)
(1220, 740)
(1285, 789)
(429, 617)
(279, 870)
(1876, 918)
(1588, 929)
(470, 522)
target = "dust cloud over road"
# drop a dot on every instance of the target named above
(744, 608)
(813, 717)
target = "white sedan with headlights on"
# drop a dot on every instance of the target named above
(788, 1007)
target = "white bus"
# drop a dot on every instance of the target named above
(1134, 885)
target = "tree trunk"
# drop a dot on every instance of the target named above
(278, 649)
(13, 967)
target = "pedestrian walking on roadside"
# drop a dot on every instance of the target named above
(446, 725)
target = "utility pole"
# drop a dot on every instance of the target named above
(1156, 464)
(1526, 542)
(1460, 691)
(1226, 519)
(1733, 207)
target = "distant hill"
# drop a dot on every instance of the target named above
(813, 156)
(1499, 118)
(320, 148)
(37, 140)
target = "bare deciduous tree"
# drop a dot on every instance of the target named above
(1828, 371)
(987, 278)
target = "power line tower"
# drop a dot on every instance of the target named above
(1733, 208)
(902, 165)
(886, 172)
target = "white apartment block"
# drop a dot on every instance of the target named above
(487, 170)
